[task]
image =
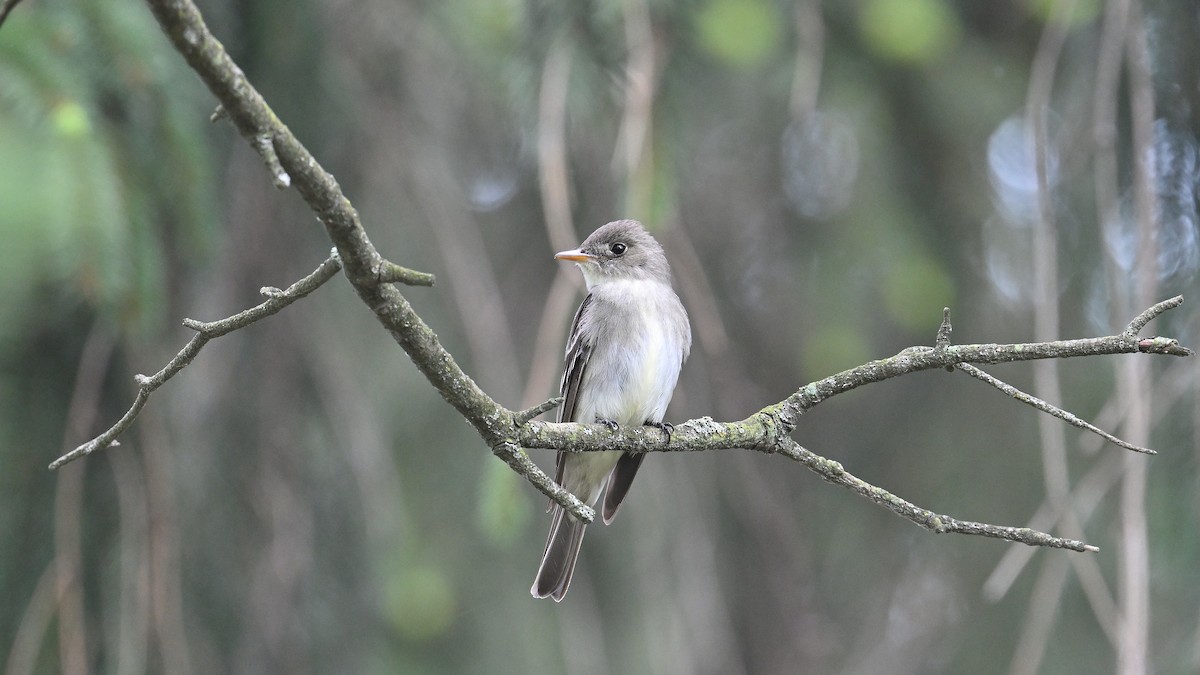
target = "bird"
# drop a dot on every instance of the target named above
(628, 342)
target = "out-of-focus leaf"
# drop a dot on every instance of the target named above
(70, 119)
(913, 31)
(420, 602)
(1082, 11)
(504, 506)
(742, 33)
(915, 290)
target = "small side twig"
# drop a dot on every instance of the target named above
(181, 21)
(833, 472)
(388, 272)
(944, 330)
(1049, 408)
(1139, 322)
(516, 458)
(525, 415)
(265, 145)
(205, 331)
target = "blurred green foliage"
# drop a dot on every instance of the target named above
(113, 168)
(910, 31)
(741, 33)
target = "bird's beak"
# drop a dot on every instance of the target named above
(574, 255)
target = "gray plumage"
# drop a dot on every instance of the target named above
(628, 341)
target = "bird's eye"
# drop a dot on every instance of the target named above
(617, 248)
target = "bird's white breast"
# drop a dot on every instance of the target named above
(637, 353)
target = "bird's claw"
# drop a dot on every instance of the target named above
(666, 427)
(612, 426)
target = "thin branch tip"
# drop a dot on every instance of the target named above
(1162, 345)
(265, 144)
(944, 330)
(524, 416)
(1048, 408)
(275, 302)
(1139, 322)
(519, 462)
(389, 272)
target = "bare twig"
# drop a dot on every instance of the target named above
(388, 272)
(1049, 408)
(768, 429)
(944, 331)
(526, 415)
(1140, 321)
(765, 431)
(205, 331)
(1086, 495)
(266, 149)
(833, 472)
(516, 458)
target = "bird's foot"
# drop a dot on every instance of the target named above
(666, 427)
(612, 425)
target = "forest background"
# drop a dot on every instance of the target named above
(825, 177)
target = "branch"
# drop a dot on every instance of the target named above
(507, 432)
(763, 429)
(520, 462)
(387, 272)
(1048, 408)
(833, 472)
(768, 430)
(205, 331)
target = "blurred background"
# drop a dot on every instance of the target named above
(825, 178)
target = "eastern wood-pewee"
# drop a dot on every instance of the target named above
(628, 341)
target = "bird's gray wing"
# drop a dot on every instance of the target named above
(578, 352)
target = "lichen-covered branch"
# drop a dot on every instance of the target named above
(507, 432)
(763, 429)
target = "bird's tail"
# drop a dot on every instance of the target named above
(558, 562)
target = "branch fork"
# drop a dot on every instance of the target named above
(507, 432)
